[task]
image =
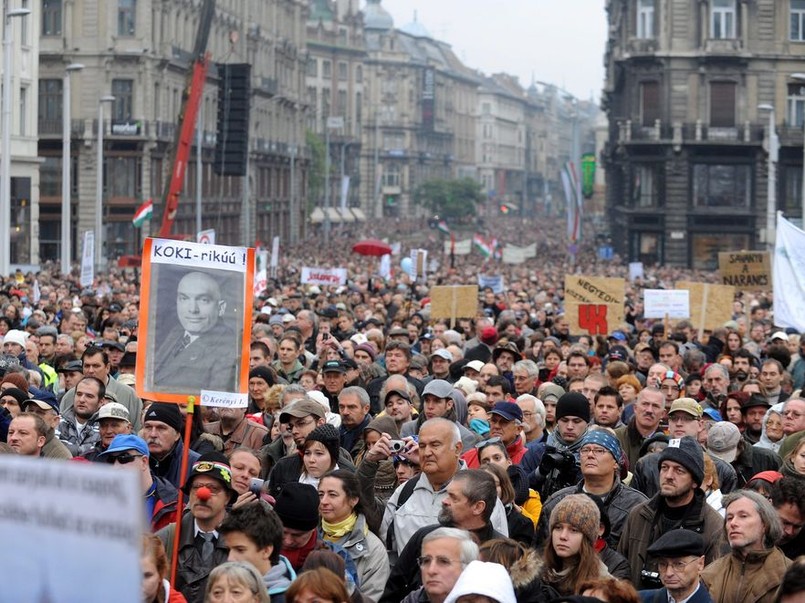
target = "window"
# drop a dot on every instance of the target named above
(51, 17)
(645, 19)
(704, 248)
(343, 71)
(24, 24)
(644, 192)
(486, 108)
(50, 101)
(358, 108)
(312, 67)
(791, 203)
(796, 105)
(50, 177)
(722, 19)
(391, 175)
(123, 107)
(126, 17)
(725, 186)
(359, 74)
(342, 102)
(722, 104)
(649, 103)
(23, 114)
(797, 32)
(327, 68)
(124, 179)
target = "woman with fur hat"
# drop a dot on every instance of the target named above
(570, 557)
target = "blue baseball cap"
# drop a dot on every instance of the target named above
(712, 413)
(508, 410)
(123, 442)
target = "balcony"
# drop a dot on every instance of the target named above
(723, 47)
(690, 133)
(641, 46)
(52, 128)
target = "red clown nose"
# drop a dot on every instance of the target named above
(203, 494)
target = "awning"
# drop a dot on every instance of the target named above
(317, 216)
(335, 217)
(358, 213)
(346, 215)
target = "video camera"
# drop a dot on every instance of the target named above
(558, 469)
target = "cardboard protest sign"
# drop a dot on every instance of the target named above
(745, 269)
(195, 319)
(593, 305)
(86, 547)
(673, 303)
(454, 301)
(324, 276)
(710, 305)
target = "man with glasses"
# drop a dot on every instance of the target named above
(209, 492)
(680, 560)
(445, 554)
(526, 377)
(793, 425)
(600, 455)
(684, 419)
(505, 420)
(131, 452)
(534, 416)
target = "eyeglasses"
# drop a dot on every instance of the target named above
(675, 565)
(214, 488)
(299, 424)
(123, 459)
(594, 450)
(681, 417)
(483, 444)
(440, 561)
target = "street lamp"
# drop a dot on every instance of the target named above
(800, 77)
(771, 196)
(5, 124)
(66, 244)
(99, 185)
(334, 123)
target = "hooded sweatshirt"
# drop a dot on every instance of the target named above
(278, 579)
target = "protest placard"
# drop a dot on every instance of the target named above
(85, 547)
(324, 276)
(662, 303)
(493, 281)
(195, 320)
(454, 302)
(710, 305)
(593, 305)
(514, 255)
(461, 248)
(745, 269)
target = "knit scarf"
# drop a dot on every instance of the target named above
(336, 531)
(297, 556)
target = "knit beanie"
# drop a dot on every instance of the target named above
(19, 395)
(165, 413)
(687, 452)
(369, 349)
(17, 379)
(327, 435)
(579, 511)
(298, 506)
(264, 373)
(573, 404)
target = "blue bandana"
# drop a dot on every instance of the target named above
(605, 440)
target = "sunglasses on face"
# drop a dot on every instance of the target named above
(123, 459)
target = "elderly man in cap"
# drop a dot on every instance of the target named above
(437, 402)
(755, 567)
(162, 430)
(70, 374)
(600, 455)
(113, 420)
(334, 378)
(160, 496)
(439, 366)
(679, 557)
(680, 503)
(209, 492)
(505, 420)
(724, 442)
(14, 345)
(684, 418)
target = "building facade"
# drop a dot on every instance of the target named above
(24, 156)
(686, 160)
(139, 52)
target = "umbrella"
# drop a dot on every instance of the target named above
(371, 247)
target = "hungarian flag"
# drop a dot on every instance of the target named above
(443, 227)
(143, 213)
(481, 245)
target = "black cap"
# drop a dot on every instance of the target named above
(129, 359)
(755, 400)
(677, 543)
(573, 404)
(333, 366)
(72, 366)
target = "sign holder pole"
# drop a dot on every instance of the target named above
(705, 295)
(188, 430)
(666, 325)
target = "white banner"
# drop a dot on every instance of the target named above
(224, 399)
(275, 256)
(635, 271)
(675, 303)
(514, 255)
(384, 269)
(462, 247)
(788, 270)
(324, 276)
(494, 281)
(198, 255)
(206, 237)
(88, 259)
(99, 519)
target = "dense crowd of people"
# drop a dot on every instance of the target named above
(388, 456)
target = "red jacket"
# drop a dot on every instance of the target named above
(516, 452)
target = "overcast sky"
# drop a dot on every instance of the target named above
(557, 41)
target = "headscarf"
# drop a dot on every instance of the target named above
(764, 441)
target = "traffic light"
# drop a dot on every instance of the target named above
(234, 101)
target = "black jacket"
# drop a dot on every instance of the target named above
(647, 475)
(289, 468)
(752, 460)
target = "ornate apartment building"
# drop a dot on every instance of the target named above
(687, 154)
(138, 51)
(24, 158)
